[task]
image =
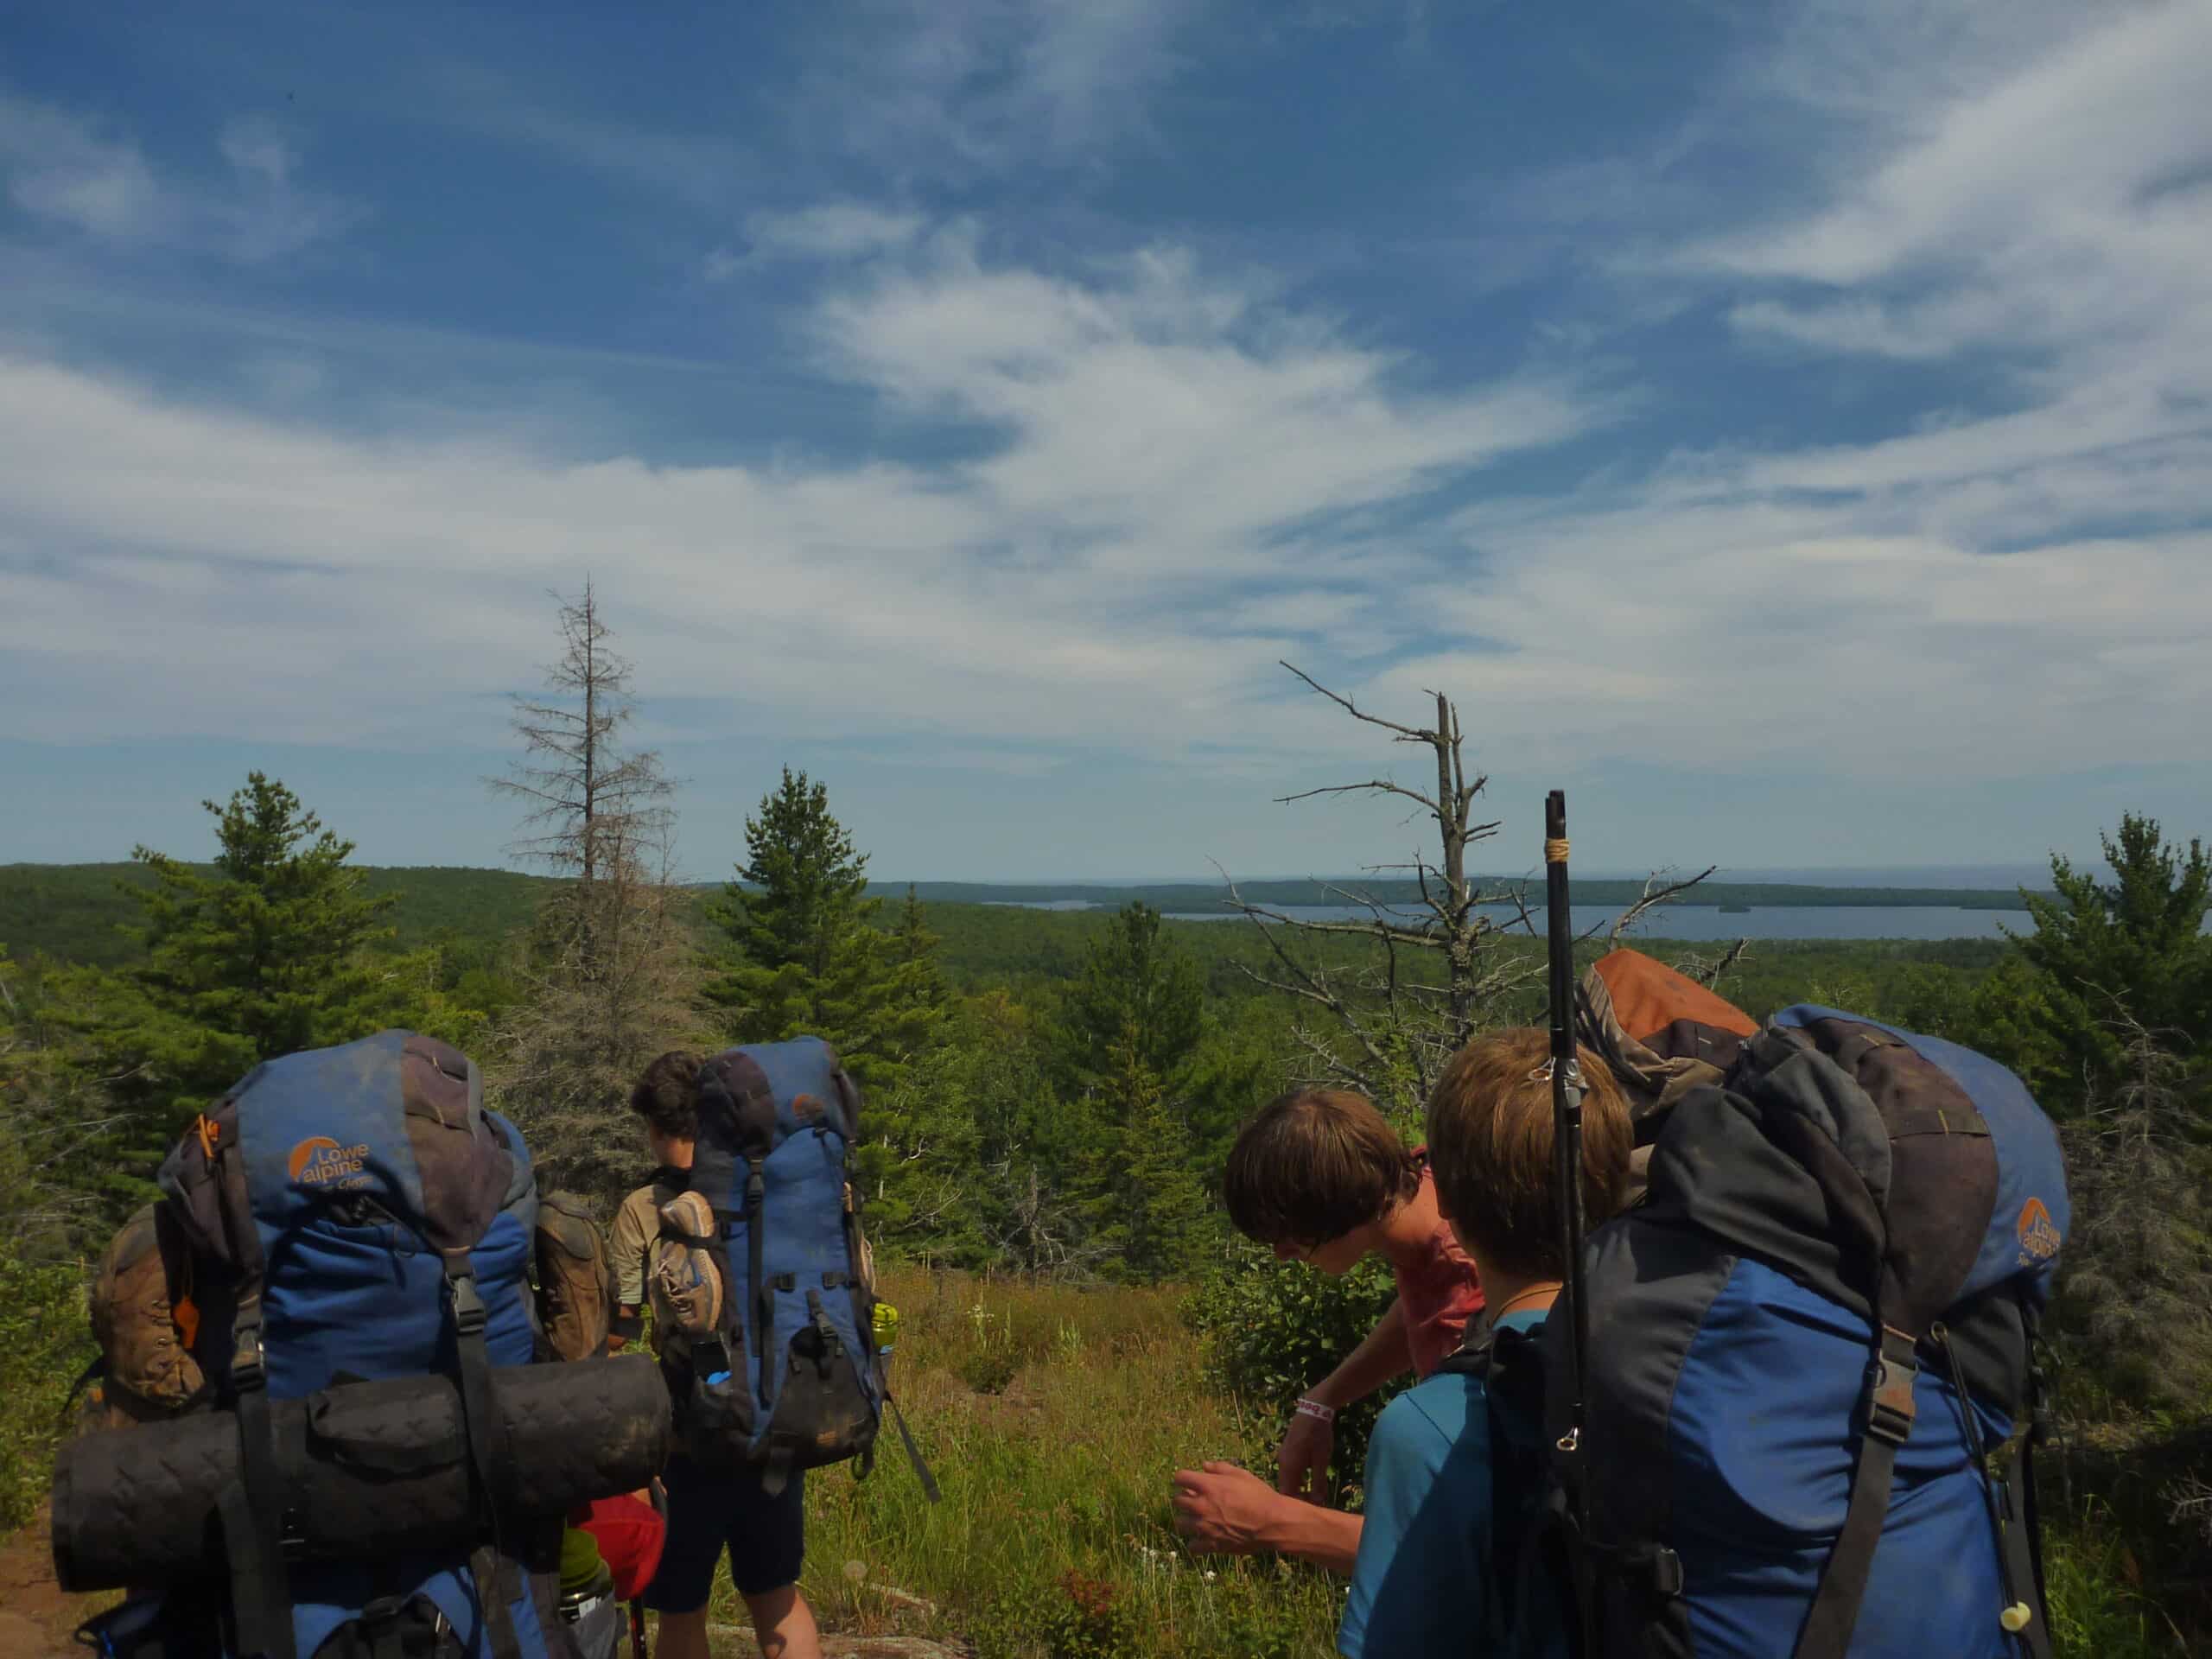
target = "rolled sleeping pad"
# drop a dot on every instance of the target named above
(363, 1469)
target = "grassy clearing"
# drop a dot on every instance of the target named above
(1052, 1418)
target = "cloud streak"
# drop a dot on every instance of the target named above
(68, 170)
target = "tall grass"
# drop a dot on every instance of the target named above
(1053, 1418)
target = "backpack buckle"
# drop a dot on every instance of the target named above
(1890, 1406)
(249, 1369)
(468, 1315)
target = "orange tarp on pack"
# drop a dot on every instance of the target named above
(1649, 996)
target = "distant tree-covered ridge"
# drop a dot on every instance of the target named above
(74, 911)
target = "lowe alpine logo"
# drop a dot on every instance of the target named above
(320, 1162)
(2038, 1237)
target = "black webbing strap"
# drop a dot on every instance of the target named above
(392, 1627)
(253, 1509)
(763, 1310)
(1834, 1612)
(913, 1452)
(2038, 1433)
(496, 1586)
(2030, 1516)
(259, 1603)
(2020, 1618)
(493, 1571)
(2018, 1549)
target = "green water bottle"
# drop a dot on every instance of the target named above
(886, 1326)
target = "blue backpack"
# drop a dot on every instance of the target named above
(761, 1298)
(1807, 1343)
(356, 1214)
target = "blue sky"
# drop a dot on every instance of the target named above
(1788, 426)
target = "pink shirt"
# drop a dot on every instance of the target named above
(1438, 1293)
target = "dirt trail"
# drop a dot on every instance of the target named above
(37, 1618)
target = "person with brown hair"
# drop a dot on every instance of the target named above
(1321, 1178)
(1437, 1545)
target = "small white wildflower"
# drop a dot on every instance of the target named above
(1209, 1575)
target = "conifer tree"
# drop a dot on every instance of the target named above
(1136, 990)
(1149, 1206)
(267, 956)
(805, 954)
(2118, 959)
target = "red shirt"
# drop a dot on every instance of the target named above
(1439, 1293)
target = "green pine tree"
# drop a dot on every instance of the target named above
(1136, 988)
(267, 956)
(1149, 1207)
(919, 1000)
(805, 954)
(2120, 960)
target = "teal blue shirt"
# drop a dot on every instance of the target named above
(1421, 1584)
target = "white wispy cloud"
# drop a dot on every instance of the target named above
(70, 169)
(1167, 477)
(1162, 437)
(826, 231)
(2061, 213)
(987, 86)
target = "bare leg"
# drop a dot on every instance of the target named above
(682, 1636)
(784, 1623)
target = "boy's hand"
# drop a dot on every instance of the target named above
(1223, 1509)
(1302, 1462)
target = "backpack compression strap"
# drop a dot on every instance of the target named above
(1826, 1632)
(251, 1510)
(490, 1566)
(764, 1308)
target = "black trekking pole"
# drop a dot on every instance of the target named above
(1567, 1177)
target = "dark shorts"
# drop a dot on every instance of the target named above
(710, 1510)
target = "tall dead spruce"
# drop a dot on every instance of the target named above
(592, 812)
(611, 970)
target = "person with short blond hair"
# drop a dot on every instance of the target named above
(1436, 1546)
(1321, 1177)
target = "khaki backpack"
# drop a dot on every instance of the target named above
(575, 1278)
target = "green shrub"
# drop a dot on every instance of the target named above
(988, 1370)
(44, 1344)
(1274, 1331)
(1089, 1620)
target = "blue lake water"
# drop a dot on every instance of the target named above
(1709, 921)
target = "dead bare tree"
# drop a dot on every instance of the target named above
(563, 1057)
(612, 969)
(1042, 1236)
(1388, 1025)
(1709, 971)
(588, 803)
(1659, 888)
(57, 1107)
(2139, 1270)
